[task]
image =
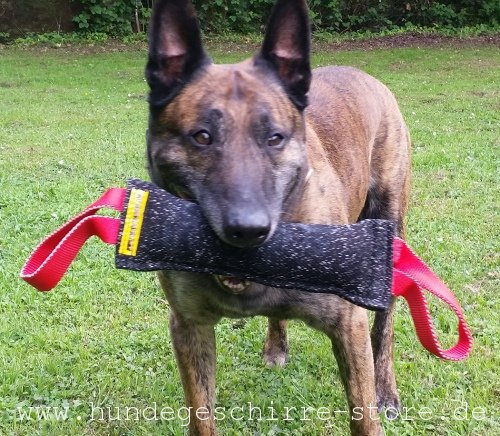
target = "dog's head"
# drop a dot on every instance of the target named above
(231, 137)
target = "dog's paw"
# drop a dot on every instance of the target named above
(275, 355)
(390, 405)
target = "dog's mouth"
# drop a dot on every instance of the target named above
(232, 284)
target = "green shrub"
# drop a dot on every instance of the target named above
(57, 39)
(135, 38)
(51, 38)
(4, 37)
(112, 17)
(240, 16)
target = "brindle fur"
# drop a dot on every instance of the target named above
(351, 135)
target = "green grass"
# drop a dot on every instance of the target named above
(73, 124)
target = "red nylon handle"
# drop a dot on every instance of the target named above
(411, 276)
(52, 257)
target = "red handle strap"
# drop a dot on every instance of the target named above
(50, 260)
(410, 277)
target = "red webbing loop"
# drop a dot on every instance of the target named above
(411, 276)
(50, 260)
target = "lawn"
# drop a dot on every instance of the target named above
(73, 124)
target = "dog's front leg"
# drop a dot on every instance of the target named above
(382, 335)
(194, 346)
(352, 348)
(275, 352)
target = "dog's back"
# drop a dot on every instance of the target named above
(359, 148)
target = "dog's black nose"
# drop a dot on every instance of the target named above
(247, 230)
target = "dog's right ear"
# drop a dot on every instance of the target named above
(175, 50)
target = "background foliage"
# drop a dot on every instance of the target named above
(107, 16)
(121, 18)
(245, 16)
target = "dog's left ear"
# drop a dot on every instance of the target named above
(175, 50)
(286, 48)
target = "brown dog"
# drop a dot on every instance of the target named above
(257, 142)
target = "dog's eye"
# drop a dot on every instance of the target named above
(202, 138)
(275, 140)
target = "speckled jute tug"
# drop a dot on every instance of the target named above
(352, 261)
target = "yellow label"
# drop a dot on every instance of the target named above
(133, 222)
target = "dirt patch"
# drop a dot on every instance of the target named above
(411, 40)
(483, 94)
(252, 45)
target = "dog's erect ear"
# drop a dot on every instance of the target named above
(286, 48)
(175, 49)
